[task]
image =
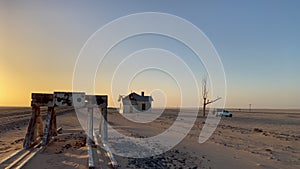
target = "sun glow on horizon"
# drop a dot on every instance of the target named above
(40, 42)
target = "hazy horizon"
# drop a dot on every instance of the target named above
(200, 108)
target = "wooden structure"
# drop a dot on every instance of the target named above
(97, 102)
(37, 137)
(36, 131)
(91, 103)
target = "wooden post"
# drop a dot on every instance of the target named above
(100, 101)
(54, 125)
(30, 134)
(40, 131)
(101, 123)
(48, 127)
(104, 124)
(91, 125)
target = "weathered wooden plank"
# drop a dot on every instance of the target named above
(101, 99)
(96, 100)
(41, 99)
(103, 124)
(91, 125)
(31, 129)
(110, 155)
(69, 99)
(48, 127)
(103, 118)
(54, 124)
(91, 161)
(40, 130)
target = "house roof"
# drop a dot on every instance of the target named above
(137, 97)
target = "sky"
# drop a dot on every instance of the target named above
(257, 42)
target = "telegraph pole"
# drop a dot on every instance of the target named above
(249, 107)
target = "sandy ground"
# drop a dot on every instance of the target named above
(13, 123)
(68, 149)
(257, 139)
(248, 140)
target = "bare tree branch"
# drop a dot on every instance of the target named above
(208, 102)
(205, 94)
(204, 88)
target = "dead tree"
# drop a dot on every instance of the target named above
(205, 95)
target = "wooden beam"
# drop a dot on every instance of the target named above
(54, 124)
(96, 100)
(69, 99)
(91, 125)
(103, 124)
(30, 129)
(40, 128)
(48, 127)
(41, 99)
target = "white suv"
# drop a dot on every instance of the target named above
(222, 112)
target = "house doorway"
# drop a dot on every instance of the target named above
(143, 106)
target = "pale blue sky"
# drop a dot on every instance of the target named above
(258, 43)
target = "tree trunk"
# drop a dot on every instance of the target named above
(204, 106)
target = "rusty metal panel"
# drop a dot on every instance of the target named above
(69, 99)
(41, 99)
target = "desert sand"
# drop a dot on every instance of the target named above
(256, 139)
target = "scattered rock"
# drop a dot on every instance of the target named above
(67, 146)
(170, 159)
(18, 141)
(258, 164)
(60, 131)
(268, 149)
(266, 134)
(257, 130)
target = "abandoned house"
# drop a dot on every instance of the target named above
(134, 103)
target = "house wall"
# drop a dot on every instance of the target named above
(126, 109)
(126, 106)
(147, 105)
